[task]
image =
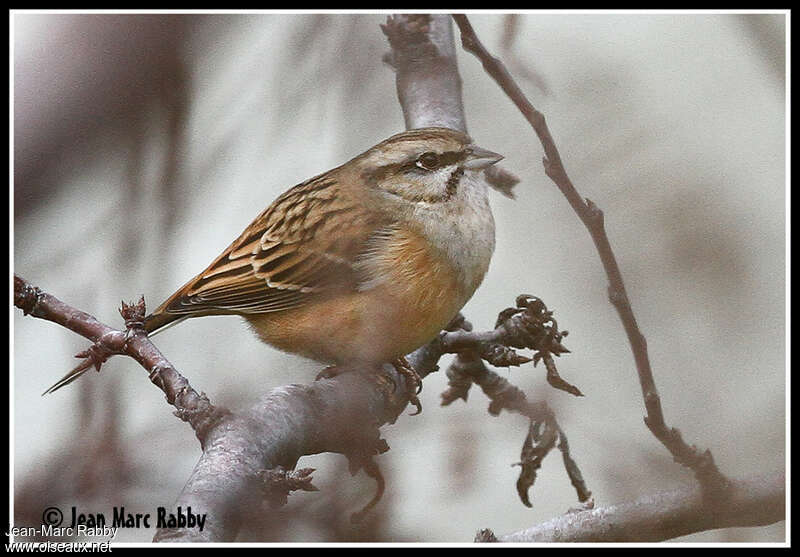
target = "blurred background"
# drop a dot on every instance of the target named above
(143, 144)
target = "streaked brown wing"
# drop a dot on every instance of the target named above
(304, 244)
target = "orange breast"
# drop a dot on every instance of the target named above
(414, 295)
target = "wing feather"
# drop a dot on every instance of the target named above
(305, 244)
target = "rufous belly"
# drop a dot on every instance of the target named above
(419, 297)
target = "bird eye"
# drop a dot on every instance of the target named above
(428, 160)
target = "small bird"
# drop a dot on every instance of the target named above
(362, 264)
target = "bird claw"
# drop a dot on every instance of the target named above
(329, 373)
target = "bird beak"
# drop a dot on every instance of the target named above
(479, 159)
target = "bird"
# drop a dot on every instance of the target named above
(361, 264)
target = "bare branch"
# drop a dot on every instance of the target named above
(428, 84)
(543, 430)
(702, 463)
(190, 406)
(342, 414)
(279, 483)
(755, 501)
(332, 415)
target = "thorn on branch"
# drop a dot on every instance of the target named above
(503, 356)
(95, 356)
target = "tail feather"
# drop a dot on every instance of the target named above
(157, 322)
(153, 324)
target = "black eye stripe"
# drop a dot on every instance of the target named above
(428, 160)
(451, 157)
(445, 159)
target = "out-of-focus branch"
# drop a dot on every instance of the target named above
(519, 66)
(423, 56)
(701, 462)
(755, 501)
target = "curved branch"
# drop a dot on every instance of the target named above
(190, 406)
(701, 462)
(754, 501)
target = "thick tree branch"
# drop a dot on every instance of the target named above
(701, 462)
(424, 58)
(341, 415)
(428, 83)
(755, 501)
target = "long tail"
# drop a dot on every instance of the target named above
(153, 324)
(158, 322)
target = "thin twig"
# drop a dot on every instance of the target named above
(468, 368)
(190, 406)
(701, 462)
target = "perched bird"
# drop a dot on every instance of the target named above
(361, 264)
